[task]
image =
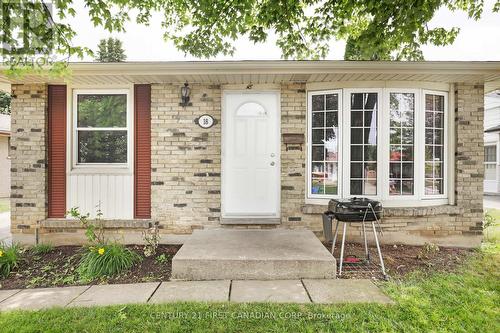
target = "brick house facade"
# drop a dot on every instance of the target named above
(186, 167)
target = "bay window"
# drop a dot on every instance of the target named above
(388, 143)
(401, 143)
(324, 143)
(434, 144)
(363, 111)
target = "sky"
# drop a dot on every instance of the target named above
(478, 40)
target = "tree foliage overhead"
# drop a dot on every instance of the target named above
(304, 29)
(110, 50)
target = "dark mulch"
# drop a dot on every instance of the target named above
(58, 268)
(399, 260)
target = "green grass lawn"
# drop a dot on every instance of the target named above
(467, 300)
(4, 205)
(492, 233)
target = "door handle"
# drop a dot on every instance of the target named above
(272, 163)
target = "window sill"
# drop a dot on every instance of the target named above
(62, 223)
(397, 211)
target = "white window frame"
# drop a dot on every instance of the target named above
(129, 128)
(417, 147)
(486, 145)
(445, 145)
(320, 197)
(347, 140)
(383, 147)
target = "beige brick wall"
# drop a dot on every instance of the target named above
(186, 170)
(293, 168)
(28, 152)
(186, 167)
(185, 158)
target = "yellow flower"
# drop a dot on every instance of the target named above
(1, 253)
(101, 251)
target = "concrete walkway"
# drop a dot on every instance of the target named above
(240, 291)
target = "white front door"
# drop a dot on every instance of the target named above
(251, 155)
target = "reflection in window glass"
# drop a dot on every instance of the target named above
(102, 146)
(101, 133)
(401, 164)
(102, 110)
(434, 144)
(324, 150)
(363, 113)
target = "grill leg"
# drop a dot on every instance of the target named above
(378, 249)
(335, 236)
(367, 253)
(342, 249)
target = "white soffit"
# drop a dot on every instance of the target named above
(262, 72)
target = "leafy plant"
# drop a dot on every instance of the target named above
(42, 248)
(151, 240)
(106, 260)
(488, 220)
(428, 250)
(101, 258)
(94, 228)
(9, 259)
(162, 258)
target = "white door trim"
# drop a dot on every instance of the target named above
(225, 93)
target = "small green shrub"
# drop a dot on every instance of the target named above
(162, 258)
(42, 248)
(9, 259)
(488, 220)
(106, 260)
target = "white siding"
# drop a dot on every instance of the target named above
(492, 119)
(114, 192)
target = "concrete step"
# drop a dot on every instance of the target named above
(258, 221)
(276, 254)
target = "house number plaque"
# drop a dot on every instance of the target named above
(205, 121)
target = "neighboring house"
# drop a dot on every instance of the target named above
(4, 156)
(277, 141)
(492, 143)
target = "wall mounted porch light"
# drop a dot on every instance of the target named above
(185, 92)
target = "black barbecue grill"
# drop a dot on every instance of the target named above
(353, 210)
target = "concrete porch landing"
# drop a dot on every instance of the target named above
(276, 254)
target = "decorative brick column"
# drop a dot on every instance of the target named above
(28, 163)
(469, 116)
(185, 158)
(293, 168)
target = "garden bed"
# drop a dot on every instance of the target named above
(400, 260)
(58, 268)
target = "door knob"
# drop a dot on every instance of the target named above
(272, 163)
